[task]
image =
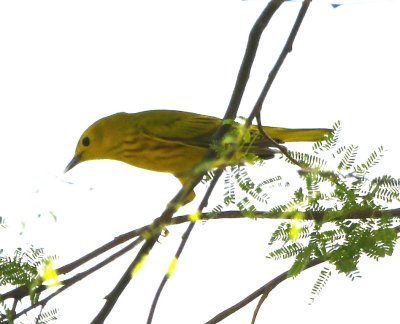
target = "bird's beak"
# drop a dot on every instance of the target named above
(76, 159)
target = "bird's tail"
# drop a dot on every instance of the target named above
(282, 135)
(265, 150)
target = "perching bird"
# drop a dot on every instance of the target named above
(170, 141)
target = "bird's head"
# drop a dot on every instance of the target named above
(99, 141)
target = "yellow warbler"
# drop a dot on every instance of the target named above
(170, 141)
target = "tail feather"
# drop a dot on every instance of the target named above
(282, 135)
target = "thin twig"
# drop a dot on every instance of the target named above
(184, 240)
(168, 274)
(113, 296)
(271, 77)
(285, 51)
(104, 248)
(264, 290)
(249, 56)
(272, 143)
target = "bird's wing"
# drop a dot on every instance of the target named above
(197, 130)
(177, 126)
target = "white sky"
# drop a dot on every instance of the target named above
(64, 65)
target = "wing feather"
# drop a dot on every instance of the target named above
(177, 126)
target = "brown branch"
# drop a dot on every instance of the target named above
(20, 292)
(287, 48)
(102, 249)
(319, 216)
(269, 141)
(285, 51)
(249, 56)
(262, 291)
(164, 280)
(113, 296)
(184, 240)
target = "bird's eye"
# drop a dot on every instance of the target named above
(85, 141)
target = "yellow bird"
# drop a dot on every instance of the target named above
(170, 141)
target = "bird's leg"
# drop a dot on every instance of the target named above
(190, 196)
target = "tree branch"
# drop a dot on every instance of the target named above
(249, 56)
(318, 216)
(113, 296)
(263, 290)
(185, 238)
(20, 292)
(271, 77)
(285, 51)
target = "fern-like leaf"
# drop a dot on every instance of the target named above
(372, 160)
(349, 158)
(323, 278)
(287, 251)
(330, 142)
(47, 317)
(301, 261)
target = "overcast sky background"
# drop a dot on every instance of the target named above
(64, 65)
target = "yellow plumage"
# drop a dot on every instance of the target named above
(169, 141)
